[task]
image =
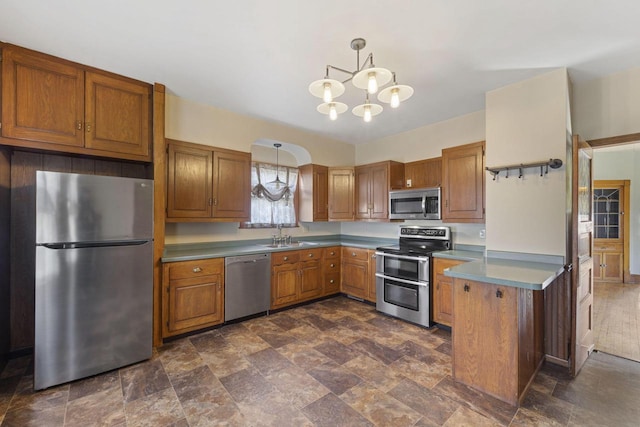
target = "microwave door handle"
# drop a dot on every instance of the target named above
(424, 205)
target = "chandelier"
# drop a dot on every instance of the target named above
(367, 77)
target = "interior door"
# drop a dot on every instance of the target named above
(581, 257)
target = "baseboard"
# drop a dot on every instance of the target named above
(556, 360)
(632, 279)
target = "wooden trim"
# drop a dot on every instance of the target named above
(159, 209)
(625, 184)
(556, 360)
(5, 253)
(205, 147)
(614, 140)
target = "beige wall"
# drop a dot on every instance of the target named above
(527, 122)
(607, 106)
(425, 142)
(203, 124)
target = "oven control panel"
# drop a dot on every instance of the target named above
(420, 232)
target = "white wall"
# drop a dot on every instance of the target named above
(527, 122)
(623, 163)
(607, 106)
(425, 142)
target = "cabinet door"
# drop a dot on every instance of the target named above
(341, 194)
(442, 291)
(310, 279)
(189, 182)
(331, 270)
(313, 192)
(284, 285)
(117, 115)
(355, 272)
(379, 192)
(463, 183)
(423, 173)
(611, 266)
(42, 98)
(363, 178)
(597, 265)
(371, 283)
(485, 338)
(232, 186)
(195, 303)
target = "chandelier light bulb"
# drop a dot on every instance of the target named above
(395, 98)
(333, 114)
(326, 96)
(367, 113)
(372, 84)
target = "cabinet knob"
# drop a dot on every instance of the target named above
(310, 255)
(79, 124)
(373, 256)
(197, 270)
(466, 287)
(286, 258)
(333, 253)
(332, 265)
(331, 281)
(498, 293)
(88, 126)
(353, 254)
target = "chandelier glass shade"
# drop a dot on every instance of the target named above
(367, 77)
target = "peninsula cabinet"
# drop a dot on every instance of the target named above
(442, 291)
(497, 337)
(296, 276)
(207, 184)
(423, 173)
(341, 193)
(463, 183)
(372, 185)
(193, 296)
(371, 285)
(314, 193)
(331, 257)
(52, 104)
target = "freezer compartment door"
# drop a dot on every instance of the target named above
(88, 208)
(93, 311)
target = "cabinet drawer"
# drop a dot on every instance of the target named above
(354, 253)
(331, 266)
(332, 252)
(289, 257)
(199, 268)
(607, 247)
(331, 283)
(308, 254)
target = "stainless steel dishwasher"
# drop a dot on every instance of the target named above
(247, 285)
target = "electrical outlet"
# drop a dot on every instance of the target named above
(483, 233)
(408, 183)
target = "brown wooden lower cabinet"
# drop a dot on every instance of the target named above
(371, 282)
(331, 270)
(442, 291)
(497, 337)
(193, 295)
(608, 262)
(355, 272)
(296, 276)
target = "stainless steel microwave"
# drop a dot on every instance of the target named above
(415, 204)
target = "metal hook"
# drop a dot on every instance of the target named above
(540, 170)
(520, 170)
(507, 173)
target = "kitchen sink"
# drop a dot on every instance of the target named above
(291, 245)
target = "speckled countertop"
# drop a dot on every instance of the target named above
(194, 251)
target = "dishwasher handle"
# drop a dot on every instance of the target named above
(248, 259)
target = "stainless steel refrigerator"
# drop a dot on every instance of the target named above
(94, 275)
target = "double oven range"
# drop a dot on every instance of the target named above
(403, 273)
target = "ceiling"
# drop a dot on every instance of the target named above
(258, 57)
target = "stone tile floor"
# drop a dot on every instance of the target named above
(331, 363)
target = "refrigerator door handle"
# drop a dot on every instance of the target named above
(76, 245)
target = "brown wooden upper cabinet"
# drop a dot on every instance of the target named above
(463, 183)
(423, 173)
(372, 183)
(341, 192)
(52, 104)
(314, 193)
(207, 184)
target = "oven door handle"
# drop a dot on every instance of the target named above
(424, 205)
(413, 258)
(382, 276)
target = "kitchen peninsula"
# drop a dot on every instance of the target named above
(498, 321)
